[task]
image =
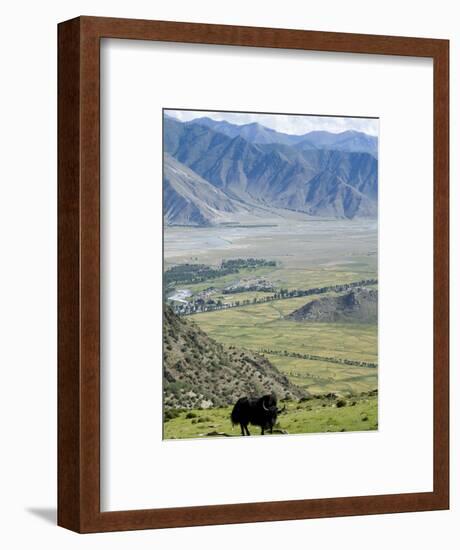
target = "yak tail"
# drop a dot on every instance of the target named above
(237, 412)
(234, 417)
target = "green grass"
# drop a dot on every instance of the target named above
(312, 416)
(301, 278)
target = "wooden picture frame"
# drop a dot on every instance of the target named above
(79, 274)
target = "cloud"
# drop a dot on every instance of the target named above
(289, 124)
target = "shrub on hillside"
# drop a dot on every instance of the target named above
(169, 414)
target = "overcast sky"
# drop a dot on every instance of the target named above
(289, 124)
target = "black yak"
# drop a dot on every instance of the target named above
(256, 411)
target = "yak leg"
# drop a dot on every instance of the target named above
(262, 432)
(242, 429)
(247, 431)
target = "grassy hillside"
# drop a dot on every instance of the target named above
(314, 415)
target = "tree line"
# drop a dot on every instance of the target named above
(198, 273)
(311, 357)
(202, 306)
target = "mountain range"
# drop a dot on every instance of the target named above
(349, 141)
(218, 172)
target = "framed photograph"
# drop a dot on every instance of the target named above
(253, 274)
(270, 285)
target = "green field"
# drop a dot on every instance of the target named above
(262, 326)
(312, 416)
(319, 377)
(294, 278)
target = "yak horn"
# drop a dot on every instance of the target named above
(263, 405)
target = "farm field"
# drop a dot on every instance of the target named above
(321, 377)
(293, 278)
(359, 413)
(262, 326)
